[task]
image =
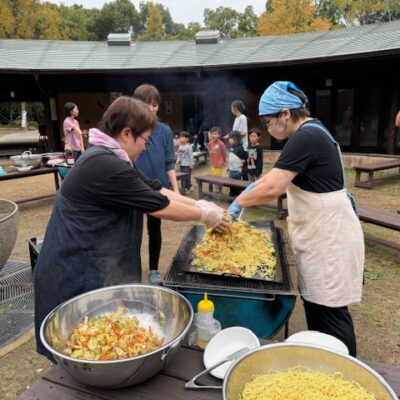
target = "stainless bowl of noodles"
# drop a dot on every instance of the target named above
(277, 365)
(167, 312)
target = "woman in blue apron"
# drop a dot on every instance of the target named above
(324, 229)
(94, 234)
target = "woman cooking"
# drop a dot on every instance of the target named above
(93, 237)
(324, 229)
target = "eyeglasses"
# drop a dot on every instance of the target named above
(266, 123)
(147, 142)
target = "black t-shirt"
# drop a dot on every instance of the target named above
(315, 158)
(105, 180)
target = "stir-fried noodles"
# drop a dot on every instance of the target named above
(111, 337)
(244, 250)
(303, 384)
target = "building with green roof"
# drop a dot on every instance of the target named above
(350, 75)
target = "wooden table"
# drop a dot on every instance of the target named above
(33, 172)
(215, 184)
(200, 154)
(179, 177)
(167, 385)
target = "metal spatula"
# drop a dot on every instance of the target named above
(192, 383)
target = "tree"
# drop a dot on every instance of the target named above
(247, 22)
(47, 22)
(231, 23)
(187, 33)
(361, 12)
(224, 19)
(329, 10)
(73, 22)
(291, 16)
(119, 16)
(7, 19)
(155, 29)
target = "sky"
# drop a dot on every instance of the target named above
(182, 11)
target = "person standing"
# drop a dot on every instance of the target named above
(236, 159)
(73, 135)
(93, 236)
(254, 165)
(324, 229)
(217, 151)
(157, 162)
(185, 159)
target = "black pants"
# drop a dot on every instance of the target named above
(335, 321)
(187, 179)
(155, 240)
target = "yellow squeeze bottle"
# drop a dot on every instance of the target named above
(207, 325)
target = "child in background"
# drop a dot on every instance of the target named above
(177, 143)
(185, 159)
(255, 158)
(217, 151)
(237, 157)
(195, 143)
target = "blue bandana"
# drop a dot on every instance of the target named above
(276, 98)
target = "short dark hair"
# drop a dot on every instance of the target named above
(68, 107)
(147, 93)
(126, 112)
(185, 134)
(256, 131)
(235, 135)
(216, 129)
(239, 105)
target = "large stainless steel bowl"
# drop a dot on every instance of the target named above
(166, 311)
(282, 356)
(9, 220)
(27, 159)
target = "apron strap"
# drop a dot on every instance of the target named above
(327, 133)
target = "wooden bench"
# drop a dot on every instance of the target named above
(179, 177)
(217, 182)
(33, 172)
(200, 154)
(370, 169)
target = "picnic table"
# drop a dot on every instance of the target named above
(167, 385)
(179, 177)
(33, 172)
(200, 154)
(370, 169)
(215, 184)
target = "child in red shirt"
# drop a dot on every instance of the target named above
(217, 152)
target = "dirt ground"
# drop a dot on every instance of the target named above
(377, 318)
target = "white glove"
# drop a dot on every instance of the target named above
(205, 203)
(211, 216)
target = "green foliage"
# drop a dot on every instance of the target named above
(119, 16)
(231, 23)
(371, 274)
(41, 19)
(73, 22)
(154, 26)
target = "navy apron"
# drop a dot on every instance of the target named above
(86, 247)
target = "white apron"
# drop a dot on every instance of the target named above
(328, 243)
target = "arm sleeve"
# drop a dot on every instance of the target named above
(68, 126)
(298, 153)
(190, 151)
(169, 150)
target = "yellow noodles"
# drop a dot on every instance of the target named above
(244, 251)
(303, 384)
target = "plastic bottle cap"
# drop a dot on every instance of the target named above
(205, 305)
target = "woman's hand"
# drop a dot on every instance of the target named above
(215, 218)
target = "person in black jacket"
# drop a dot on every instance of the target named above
(236, 160)
(254, 163)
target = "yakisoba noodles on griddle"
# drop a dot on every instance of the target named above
(243, 250)
(303, 384)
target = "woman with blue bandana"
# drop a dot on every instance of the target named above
(325, 232)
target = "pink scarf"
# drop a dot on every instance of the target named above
(98, 138)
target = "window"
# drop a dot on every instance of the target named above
(344, 116)
(369, 122)
(323, 107)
